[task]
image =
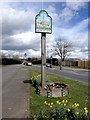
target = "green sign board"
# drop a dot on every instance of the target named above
(43, 22)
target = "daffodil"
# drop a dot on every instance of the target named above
(51, 103)
(63, 101)
(45, 102)
(68, 110)
(64, 104)
(85, 108)
(86, 111)
(57, 101)
(77, 113)
(48, 104)
(51, 106)
(66, 101)
(75, 105)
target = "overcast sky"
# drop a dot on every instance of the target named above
(69, 22)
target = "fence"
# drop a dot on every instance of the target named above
(84, 64)
(77, 63)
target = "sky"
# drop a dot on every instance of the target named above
(69, 22)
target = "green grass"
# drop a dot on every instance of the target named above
(78, 93)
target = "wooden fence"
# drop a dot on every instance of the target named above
(78, 63)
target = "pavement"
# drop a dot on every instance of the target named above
(72, 68)
(14, 92)
(0, 92)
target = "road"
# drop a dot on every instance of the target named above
(14, 88)
(81, 75)
(14, 92)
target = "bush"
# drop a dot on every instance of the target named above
(35, 83)
(10, 61)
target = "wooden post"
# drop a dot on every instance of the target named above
(43, 56)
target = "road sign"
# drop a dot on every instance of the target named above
(51, 57)
(43, 25)
(43, 22)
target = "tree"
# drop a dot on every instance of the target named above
(62, 49)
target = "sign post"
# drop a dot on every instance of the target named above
(43, 25)
(43, 56)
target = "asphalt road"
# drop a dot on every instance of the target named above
(14, 88)
(14, 92)
(81, 75)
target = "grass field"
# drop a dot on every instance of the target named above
(78, 93)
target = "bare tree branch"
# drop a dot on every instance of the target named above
(63, 49)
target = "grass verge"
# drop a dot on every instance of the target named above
(78, 93)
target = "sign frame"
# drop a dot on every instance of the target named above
(43, 22)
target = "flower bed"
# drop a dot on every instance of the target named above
(74, 104)
(62, 110)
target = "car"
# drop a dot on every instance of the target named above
(48, 65)
(29, 64)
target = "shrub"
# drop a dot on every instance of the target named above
(34, 81)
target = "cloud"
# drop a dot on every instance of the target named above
(71, 10)
(18, 34)
(32, 53)
(67, 14)
(22, 41)
(75, 5)
(52, 12)
(14, 21)
(78, 54)
(77, 35)
(77, 1)
(45, 0)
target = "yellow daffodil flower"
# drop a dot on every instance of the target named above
(64, 104)
(86, 111)
(75, 105)
(63, 101)
(51, 106)
(68, 110)
(85, 108)
(51, 103)
(48, 104)
(57, 101)
(45, 102)
(77, 113)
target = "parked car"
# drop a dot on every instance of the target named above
(48, 65)
(29, 64)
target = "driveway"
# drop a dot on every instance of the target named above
(14, 92)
